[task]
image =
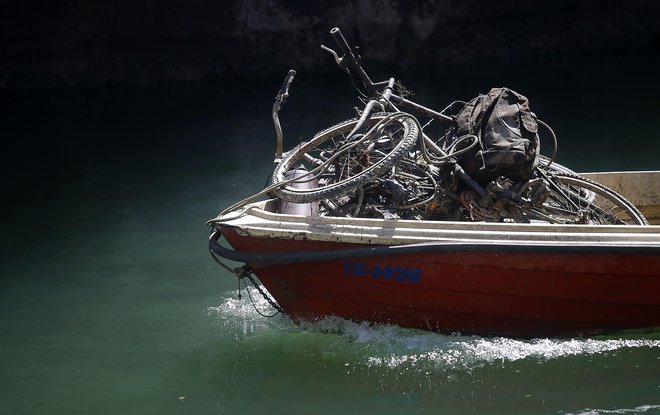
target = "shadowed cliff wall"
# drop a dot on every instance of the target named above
(87, 42)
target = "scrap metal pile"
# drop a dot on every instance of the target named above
(473, 161)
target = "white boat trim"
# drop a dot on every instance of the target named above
(256, 220)
(260, 220)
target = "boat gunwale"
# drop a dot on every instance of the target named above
(256, 221)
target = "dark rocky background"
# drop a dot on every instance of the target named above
(98, 42)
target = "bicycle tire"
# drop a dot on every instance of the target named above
(554, 167)
(597, 204)
(344, 185)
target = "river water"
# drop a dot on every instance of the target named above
(110, 303)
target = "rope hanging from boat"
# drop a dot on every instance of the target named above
(249, 275)
(246, 272)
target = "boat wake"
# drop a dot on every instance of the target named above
(394, 347)
(637, 410)
(449, 371)
(397, 347)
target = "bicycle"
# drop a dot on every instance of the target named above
(383, 164)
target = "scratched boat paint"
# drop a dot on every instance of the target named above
(109, 303)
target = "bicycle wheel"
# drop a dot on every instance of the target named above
(403, 192)
(555, 167)
(341, 164)
(575, 199)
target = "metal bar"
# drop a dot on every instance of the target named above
(280, 99)
(409, 105)
(353, 65)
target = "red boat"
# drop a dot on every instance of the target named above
(471, 230)
(486, 278)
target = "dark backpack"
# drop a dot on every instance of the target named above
(507, 131)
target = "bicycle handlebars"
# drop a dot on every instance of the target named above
(341, 42)
(350, 61)
(280, 99)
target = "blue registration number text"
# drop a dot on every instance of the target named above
(359, 269)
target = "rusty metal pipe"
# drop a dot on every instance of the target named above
(280, 99)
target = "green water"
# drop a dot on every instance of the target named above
(110, 303)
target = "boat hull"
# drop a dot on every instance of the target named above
(490, 289)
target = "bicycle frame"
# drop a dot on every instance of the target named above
(496, 200)
(350, 62)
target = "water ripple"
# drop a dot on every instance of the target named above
(393, 347)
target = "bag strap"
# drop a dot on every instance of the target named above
(466, 118)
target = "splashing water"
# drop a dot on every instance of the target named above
(469, 352)
(393, 347)
(242, 317)
(636, 410)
